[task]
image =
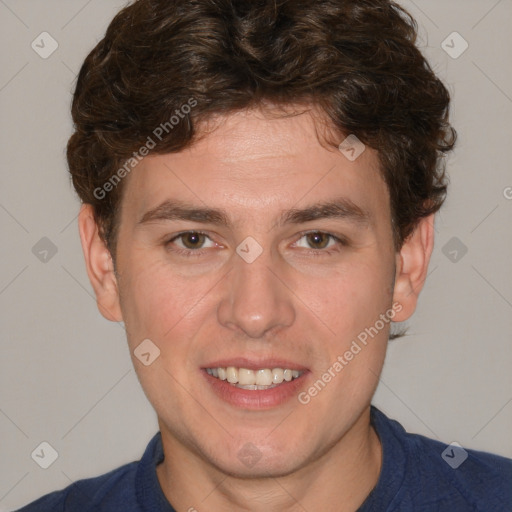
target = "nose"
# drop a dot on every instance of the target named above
(256, 300)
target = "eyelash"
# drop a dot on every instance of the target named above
(315, 252)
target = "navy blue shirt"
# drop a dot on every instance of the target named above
(417, 474)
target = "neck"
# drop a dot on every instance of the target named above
(338, 480)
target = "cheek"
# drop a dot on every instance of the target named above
(152, 301)
(165, 307)
(349, 300)
(160, 307)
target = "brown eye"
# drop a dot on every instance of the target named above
(190, 243)
(318, 243)
(192, 240)
(318, 240)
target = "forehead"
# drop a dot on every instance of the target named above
(260, 133)
(259, 162)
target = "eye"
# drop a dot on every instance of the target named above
(319, 242)
(190, 242)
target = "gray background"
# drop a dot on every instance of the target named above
(65, 372)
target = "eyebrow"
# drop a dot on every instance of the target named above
(338, 208)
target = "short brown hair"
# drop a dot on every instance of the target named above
(355, 59)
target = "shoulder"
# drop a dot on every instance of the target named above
(482, 480)
(120, 490)
(449, 477)
(113, 491)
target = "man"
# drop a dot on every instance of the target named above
(259, 183)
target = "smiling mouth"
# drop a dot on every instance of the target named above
(244, 378)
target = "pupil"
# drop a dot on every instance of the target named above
(318, 238)
(193, 239)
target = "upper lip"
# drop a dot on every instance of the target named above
(255, 364)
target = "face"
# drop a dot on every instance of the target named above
(226, 259)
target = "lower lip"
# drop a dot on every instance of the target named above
(258, 399)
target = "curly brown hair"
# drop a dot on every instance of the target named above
(356, 60)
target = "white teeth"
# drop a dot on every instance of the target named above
(232, 374)
(264, 377)
(246, 377)
(254, 386)
(277, 375)
(254, 379)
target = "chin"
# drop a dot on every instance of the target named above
(252, 460)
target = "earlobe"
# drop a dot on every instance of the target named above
(99, 265)
(412, 267)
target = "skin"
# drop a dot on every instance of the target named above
(289, 303)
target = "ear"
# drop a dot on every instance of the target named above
(99, 265)
(412, 266)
